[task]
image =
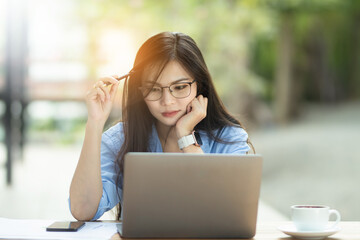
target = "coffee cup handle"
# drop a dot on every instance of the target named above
(338, 217)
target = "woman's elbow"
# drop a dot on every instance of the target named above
(82, 213)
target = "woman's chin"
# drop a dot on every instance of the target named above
(168, 122)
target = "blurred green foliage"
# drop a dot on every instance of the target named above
(326, 37)
(239, 38)
(240, 42)
(59, 131)
(224, 30)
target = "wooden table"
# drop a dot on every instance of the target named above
(269, 231)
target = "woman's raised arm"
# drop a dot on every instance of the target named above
(86, 186)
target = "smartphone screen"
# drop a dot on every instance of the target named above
(65, 226)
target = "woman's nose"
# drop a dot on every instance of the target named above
(167, 98)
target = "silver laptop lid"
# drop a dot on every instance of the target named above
(176, 195)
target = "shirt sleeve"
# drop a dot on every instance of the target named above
(111, 195)
(235, 141)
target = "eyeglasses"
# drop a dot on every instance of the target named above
(177, 90)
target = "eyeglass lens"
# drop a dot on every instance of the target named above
(178, 90)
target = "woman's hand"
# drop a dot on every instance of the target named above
(100, 98)
(195, 112)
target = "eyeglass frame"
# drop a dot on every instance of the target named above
(162, 91)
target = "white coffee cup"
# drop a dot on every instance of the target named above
(313, 217)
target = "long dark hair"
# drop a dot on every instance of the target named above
(155, 53)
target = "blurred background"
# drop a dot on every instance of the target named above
(288, 69)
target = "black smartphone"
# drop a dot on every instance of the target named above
(65, 226)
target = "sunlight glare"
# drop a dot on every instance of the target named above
(116, 52)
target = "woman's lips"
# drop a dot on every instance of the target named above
(169, 114)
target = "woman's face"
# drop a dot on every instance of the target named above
(169, 109)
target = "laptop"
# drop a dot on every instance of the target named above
(177, 195)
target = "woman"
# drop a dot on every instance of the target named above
(169, 105)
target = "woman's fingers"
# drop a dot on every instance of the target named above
(199, 105)
(100, 94)
(203, 100)
(109, 80)
(100, 97)
(104, 89)
(109, 92)
(195, 112)
(98, 91)
(113, 90)
(205, 103)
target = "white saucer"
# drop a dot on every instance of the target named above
(290, 229)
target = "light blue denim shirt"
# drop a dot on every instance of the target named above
(112, 141)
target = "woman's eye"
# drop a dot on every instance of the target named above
(180, 87)
(155, 89)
